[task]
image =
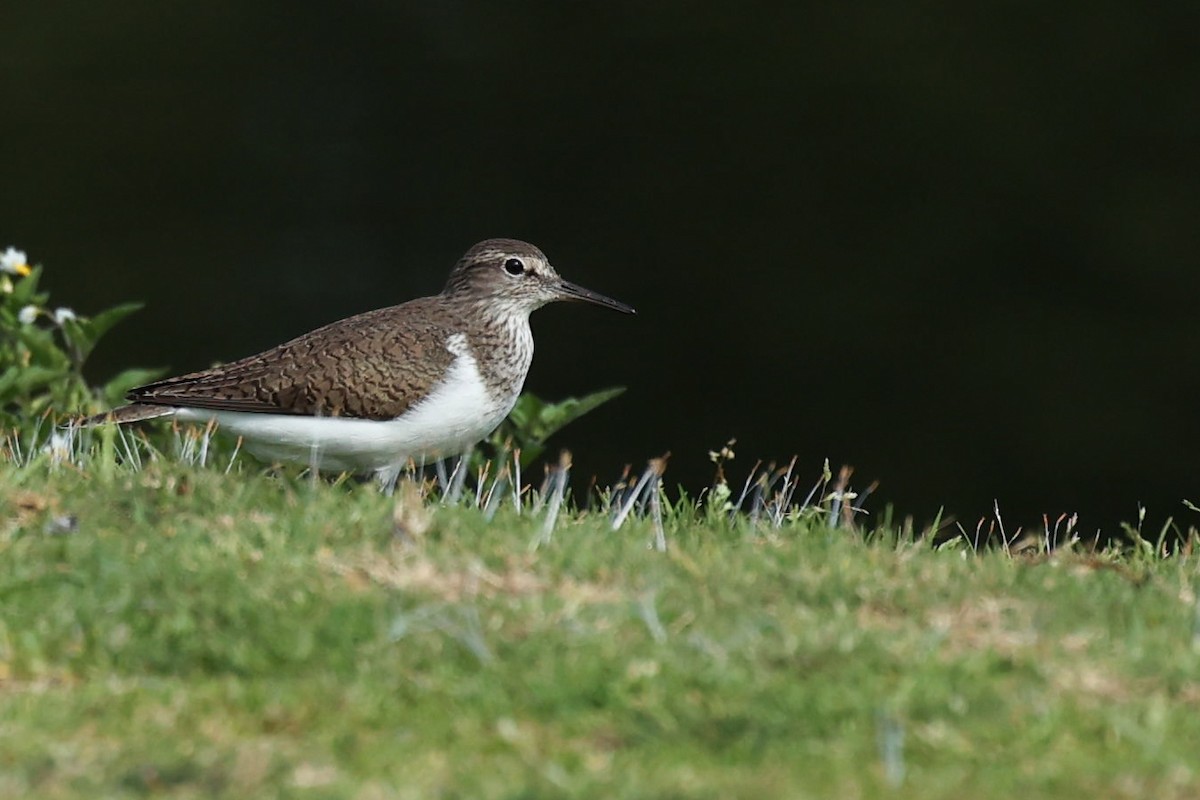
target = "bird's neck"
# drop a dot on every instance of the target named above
(502, 345)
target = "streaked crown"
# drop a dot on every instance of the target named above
(515, 277)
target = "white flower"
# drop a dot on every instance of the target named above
(59, 447)
(14, 262)
(63, 314)
(27, 315)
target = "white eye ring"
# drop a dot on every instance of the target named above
(514, 266)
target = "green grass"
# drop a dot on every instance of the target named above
(195, 634)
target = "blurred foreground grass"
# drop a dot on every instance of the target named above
(179, 632)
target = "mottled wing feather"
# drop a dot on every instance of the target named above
(372, 366)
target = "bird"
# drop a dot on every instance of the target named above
(423, 380)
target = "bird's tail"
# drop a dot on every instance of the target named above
(134, 412)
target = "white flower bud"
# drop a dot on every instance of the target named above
(14, 262)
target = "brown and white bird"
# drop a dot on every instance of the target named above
(423, 380)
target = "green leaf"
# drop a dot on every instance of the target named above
(24, 289)
(43, 350)
(8, 381)
(532, 420)
(957, 543)
(35, 377)
(82, 333)
(103, 322)
(552, 418)
(115, 390)
(524, 416)
(78, 337)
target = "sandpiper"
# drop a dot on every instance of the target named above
(423, 380)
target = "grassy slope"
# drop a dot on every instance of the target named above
(240, 636)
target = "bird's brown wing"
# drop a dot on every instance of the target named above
(372, 366)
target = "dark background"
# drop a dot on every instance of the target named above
(951, 244)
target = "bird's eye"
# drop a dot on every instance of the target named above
(514, 266)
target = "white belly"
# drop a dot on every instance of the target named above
(450, 420)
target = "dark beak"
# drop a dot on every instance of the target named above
(571, 291)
